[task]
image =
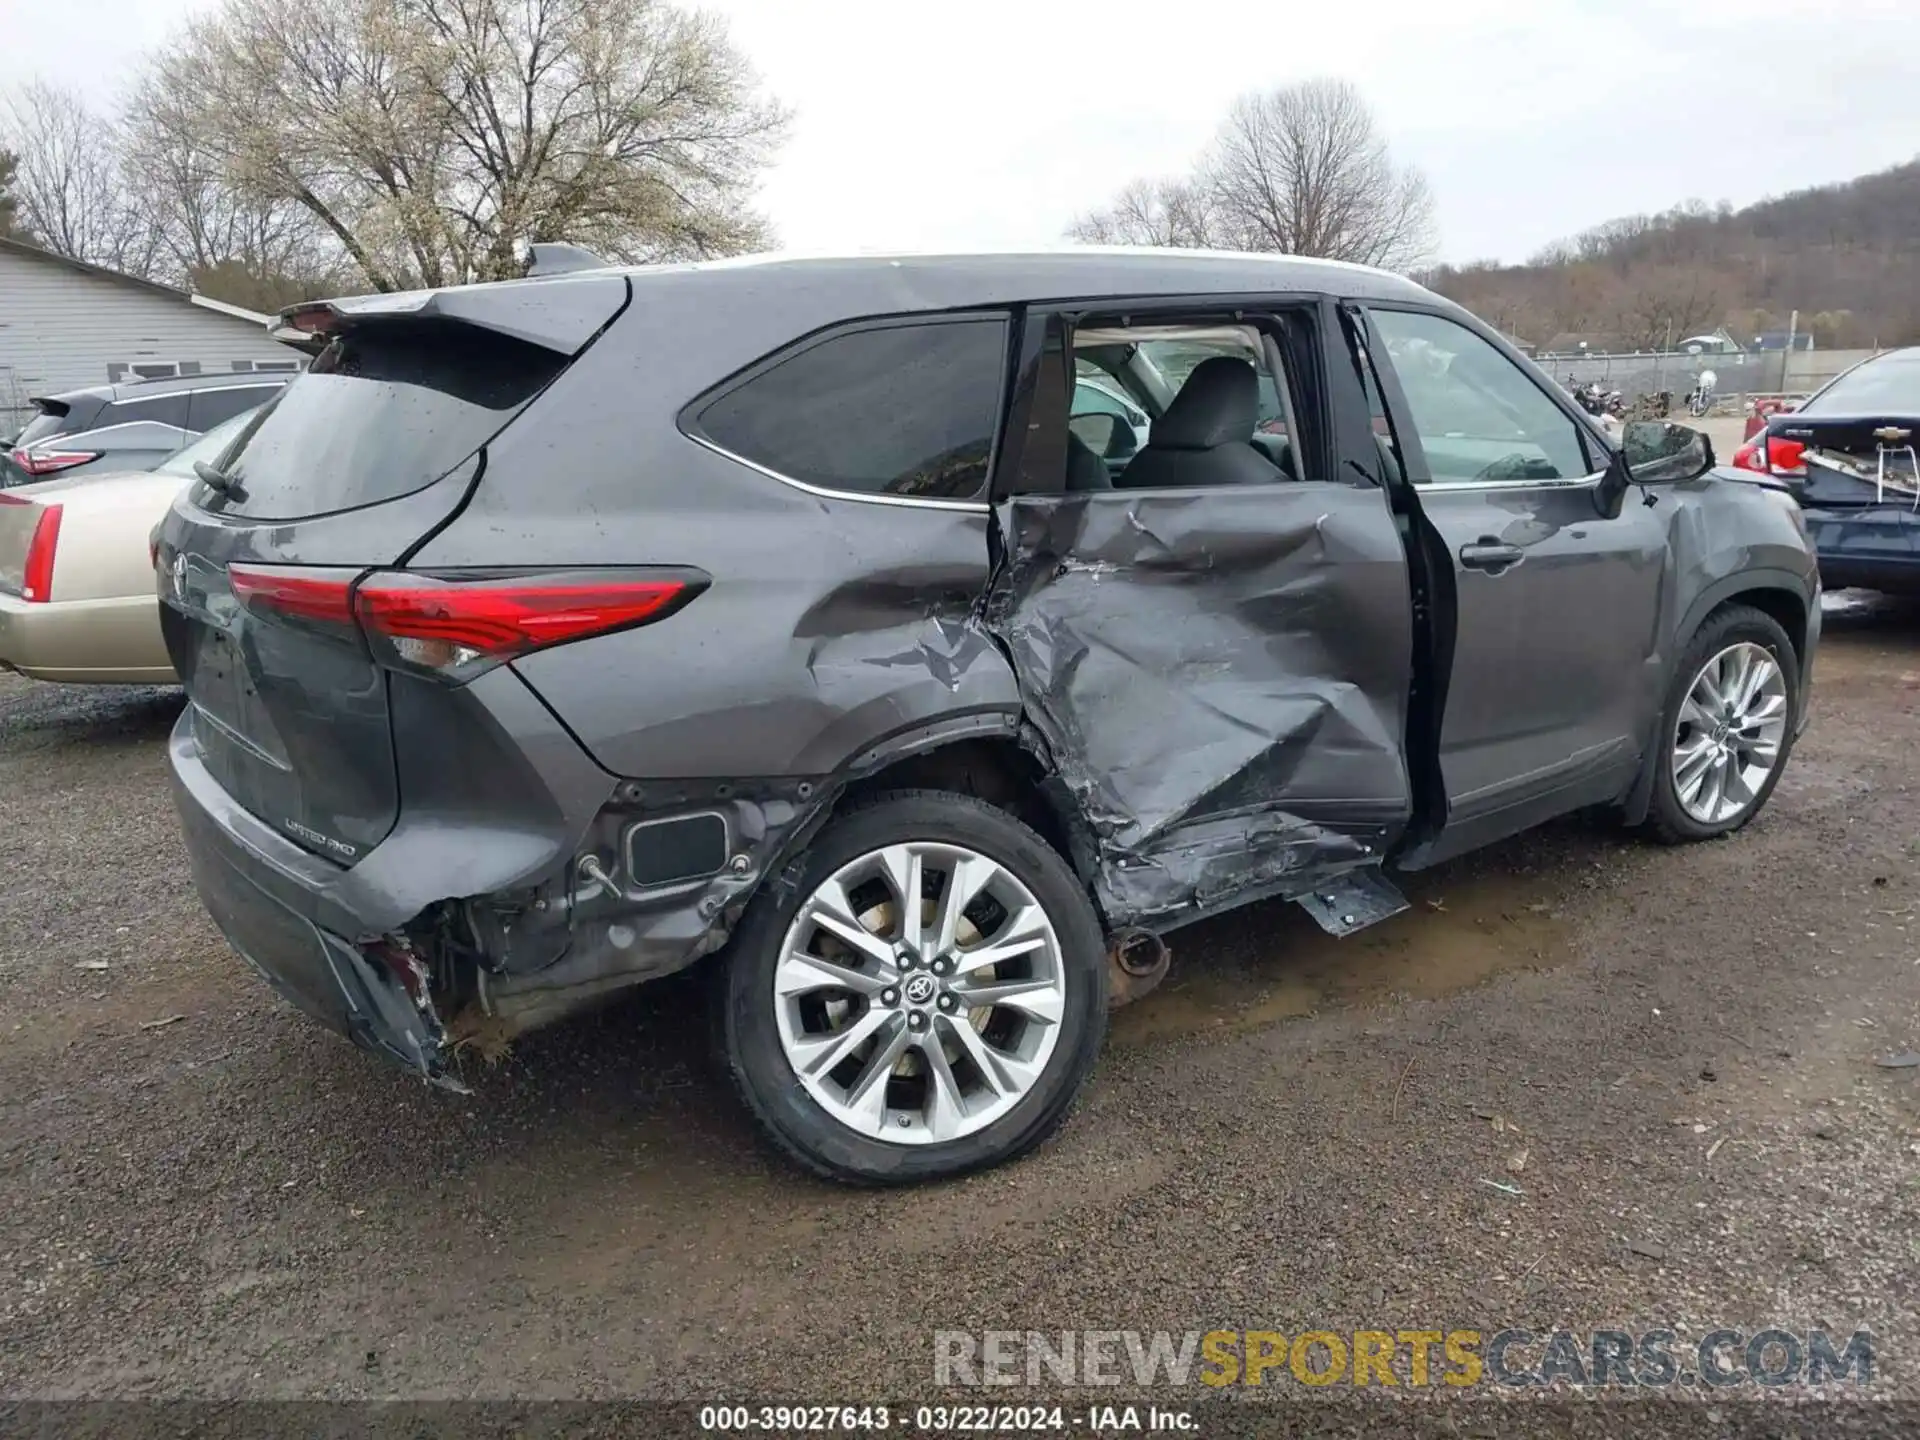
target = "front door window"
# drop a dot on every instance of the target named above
(1479, 417)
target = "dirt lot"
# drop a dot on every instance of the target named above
(207, 1196)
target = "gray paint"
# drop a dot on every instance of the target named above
(1233, 690)
(1220, 679)
(62, 326)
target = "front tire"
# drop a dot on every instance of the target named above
(884, 1042)
(1728, 726)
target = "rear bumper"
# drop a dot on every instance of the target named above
(112, 642)
(262, 891)
(1893, 577)
(330, 938)
(1868, 548)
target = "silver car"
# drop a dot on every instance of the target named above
(133, 425)
(77, 600)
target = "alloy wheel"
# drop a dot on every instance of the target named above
(1732, 725)
(919, 992)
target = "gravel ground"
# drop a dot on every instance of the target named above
(1670, 1053)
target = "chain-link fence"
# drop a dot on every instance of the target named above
(1736, 377)
(1762, 372)
(15, 408)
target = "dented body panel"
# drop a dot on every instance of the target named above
(1221, 681)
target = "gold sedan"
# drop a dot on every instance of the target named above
(77, 600)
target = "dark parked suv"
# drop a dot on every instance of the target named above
(133, 425)
(552, 636)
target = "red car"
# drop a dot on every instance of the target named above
(1759, 410)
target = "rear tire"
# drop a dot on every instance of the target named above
(1727, 729)
(852, 1056)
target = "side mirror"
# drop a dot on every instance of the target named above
(1108, 436)
(1661, 452)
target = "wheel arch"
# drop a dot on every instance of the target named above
(994, 757)
(1778, 594)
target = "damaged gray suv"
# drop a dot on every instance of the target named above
(549, 637)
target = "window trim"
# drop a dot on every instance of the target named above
(687, 421)
(1400, 412)
(77, 436)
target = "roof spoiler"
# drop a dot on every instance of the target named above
(561, 316)
(553, 258)
(309, 337)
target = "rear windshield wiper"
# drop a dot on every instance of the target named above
(214, 478)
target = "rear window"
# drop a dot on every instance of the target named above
(894, 410)
(57, 417)
(43, 426)
(1891, 383)
(379, 414)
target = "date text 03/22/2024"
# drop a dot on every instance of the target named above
(947, 1419)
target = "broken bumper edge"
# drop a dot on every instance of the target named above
(375, 996)
(346, 989)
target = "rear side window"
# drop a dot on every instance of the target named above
(379, 414)
(160, 409)
(903, 410)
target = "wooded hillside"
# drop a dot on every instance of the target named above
(1847, 257)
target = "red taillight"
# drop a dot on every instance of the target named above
(295, 593)
(52, 462)
(1784, 457)
(1748, 457)
(455, 626)
(36, 578)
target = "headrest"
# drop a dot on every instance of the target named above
(1219, 405)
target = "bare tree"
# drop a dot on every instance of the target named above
(1303, 170)
(10, 225)
(232, 245)
(432, 139)
(1152, 212)
(1658, 304)
(67, 185)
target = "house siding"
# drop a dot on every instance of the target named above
(61, 329)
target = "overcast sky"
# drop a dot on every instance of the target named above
(991, 123)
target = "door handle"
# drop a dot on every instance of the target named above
(1491, 555)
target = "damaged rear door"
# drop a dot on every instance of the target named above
(1219, 671)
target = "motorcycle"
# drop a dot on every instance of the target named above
(1590, 398)
(1700, 398)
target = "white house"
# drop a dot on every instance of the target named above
(65, 324)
